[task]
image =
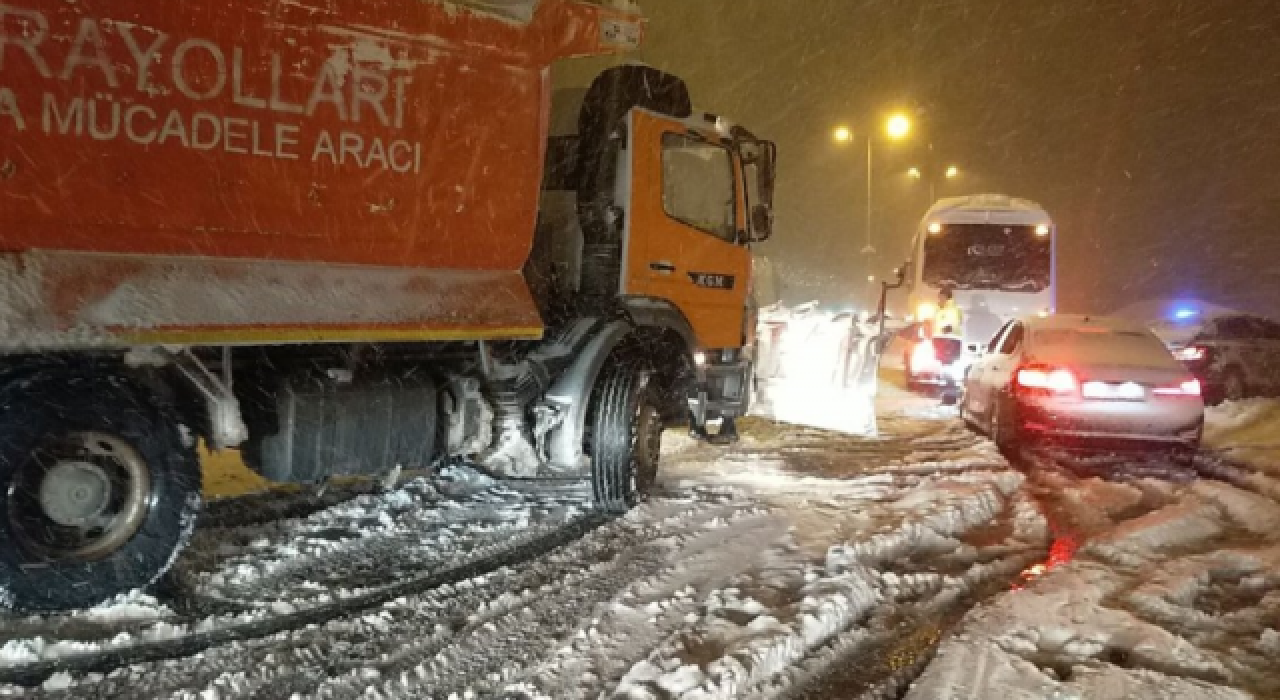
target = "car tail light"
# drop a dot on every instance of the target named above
(1191, 387)
(1052, 380)
(1192, 353)
(924, 358)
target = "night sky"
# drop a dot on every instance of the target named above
(1149, 129)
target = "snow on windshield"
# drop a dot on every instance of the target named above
(987, 256)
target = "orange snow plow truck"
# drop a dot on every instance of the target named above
(339, 236)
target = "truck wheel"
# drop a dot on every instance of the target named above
(98, 490)
(626, 439)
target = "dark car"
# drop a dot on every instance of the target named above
(1235, 356)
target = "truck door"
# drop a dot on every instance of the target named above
(686, 233)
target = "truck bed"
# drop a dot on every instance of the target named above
(143, 143)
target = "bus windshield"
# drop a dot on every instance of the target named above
(988, 257)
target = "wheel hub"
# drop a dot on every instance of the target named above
(75, 493)
(79, 496)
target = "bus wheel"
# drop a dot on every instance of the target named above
(98, 490)
(626, 439)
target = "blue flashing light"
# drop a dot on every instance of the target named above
(1185, 314)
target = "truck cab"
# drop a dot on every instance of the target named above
(669, 202)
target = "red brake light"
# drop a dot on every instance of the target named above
(1191, 353)
(1049, 379)
(1191, 387)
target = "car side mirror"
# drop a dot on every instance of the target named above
(761, 223)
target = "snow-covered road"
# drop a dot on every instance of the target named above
(797, 564)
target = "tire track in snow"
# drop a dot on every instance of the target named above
(34, 674)
(426, 640)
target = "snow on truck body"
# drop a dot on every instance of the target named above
(361, 134)
(296, 227)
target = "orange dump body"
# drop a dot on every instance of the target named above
(198, 139)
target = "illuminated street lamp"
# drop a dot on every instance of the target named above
(897, 128)
(951, 173)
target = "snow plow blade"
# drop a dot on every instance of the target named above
(817, 369)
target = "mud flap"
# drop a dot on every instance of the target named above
(816, 369)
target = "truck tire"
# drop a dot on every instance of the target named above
(99, 489)
(626, 438)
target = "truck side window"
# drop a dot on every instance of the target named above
(698, 186)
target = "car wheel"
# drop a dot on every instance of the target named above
(1002, 433)
(1185, 456)
(966, 413)
(1233, 385)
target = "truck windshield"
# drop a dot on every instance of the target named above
(988, 256)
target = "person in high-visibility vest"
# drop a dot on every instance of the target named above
(949, 320)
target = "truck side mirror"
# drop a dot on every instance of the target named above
(761, 223)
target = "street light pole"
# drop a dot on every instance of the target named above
(870, 249)
(933, 176)
(897, 128)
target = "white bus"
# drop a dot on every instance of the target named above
(997, 253)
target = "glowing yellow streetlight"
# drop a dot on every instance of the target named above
(899, 126)
(915, 174)
(953, 172)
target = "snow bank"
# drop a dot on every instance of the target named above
(1167, 603)
(1247, 431)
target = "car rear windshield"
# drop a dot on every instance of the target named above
(1100, 347)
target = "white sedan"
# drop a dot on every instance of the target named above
(1083, 381)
